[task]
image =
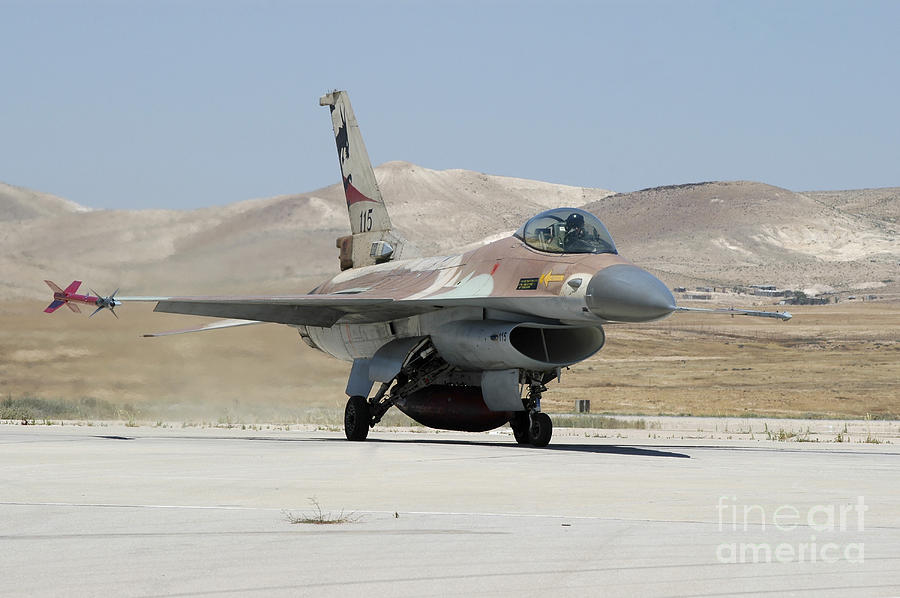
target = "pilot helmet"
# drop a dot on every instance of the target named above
(574, 221)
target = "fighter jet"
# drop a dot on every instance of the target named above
(461, 342)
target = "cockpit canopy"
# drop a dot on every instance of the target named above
(567, 230)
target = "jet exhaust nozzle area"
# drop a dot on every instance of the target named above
(626, 293)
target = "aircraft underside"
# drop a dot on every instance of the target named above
(432, 368)
(438, 395)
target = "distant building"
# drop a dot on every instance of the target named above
(679, 289)
(770, 292)
(698, 296)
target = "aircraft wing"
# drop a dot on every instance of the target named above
(328, 310)
(325, 310)
(310, 310)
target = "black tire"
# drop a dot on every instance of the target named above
(541, 429)
(356, 418)
(519, 425)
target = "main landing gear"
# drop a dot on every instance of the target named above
(423, 368)
(356, 418)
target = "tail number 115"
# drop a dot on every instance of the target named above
(365, 221)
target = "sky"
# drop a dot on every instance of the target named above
(140, 105)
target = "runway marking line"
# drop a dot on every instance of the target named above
(391, 513)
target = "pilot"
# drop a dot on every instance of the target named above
(575, 234)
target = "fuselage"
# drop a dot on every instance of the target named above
(516, 283)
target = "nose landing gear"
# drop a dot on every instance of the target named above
(532, 426)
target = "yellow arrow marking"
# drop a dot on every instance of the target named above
(550, 277)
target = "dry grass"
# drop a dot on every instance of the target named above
(840, 361)
(319, 517)
(256, 373)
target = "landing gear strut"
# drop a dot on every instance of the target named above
(421, 367)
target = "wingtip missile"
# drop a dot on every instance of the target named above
(109, 303)
(70, 298)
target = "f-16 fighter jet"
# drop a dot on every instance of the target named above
(460, 342)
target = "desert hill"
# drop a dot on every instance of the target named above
(19, 203)
(441, 211)
(882, 203)
(712, 233)
(744, 232)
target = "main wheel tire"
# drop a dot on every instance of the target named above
(519, 425)
(540, 430)
(356, 418)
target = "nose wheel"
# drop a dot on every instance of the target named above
(534, 428)
(519, 425)
(540, 430)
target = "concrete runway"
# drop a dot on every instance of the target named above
(100, 511)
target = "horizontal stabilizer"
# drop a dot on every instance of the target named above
(217, 325)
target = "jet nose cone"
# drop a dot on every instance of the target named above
(625, 293)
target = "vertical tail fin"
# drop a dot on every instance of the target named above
(372, 241)
(367, 211)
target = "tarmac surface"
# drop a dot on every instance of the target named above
(113, 510)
